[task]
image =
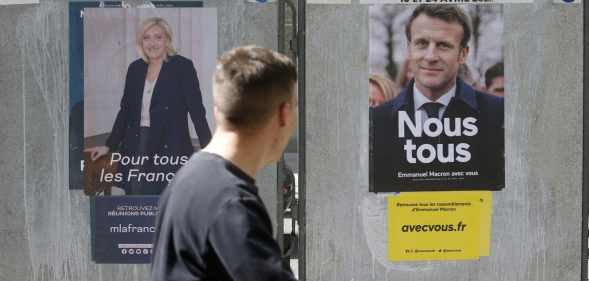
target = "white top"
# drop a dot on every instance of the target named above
(419, 99)
(146, 102)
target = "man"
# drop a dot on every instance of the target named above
(494, 80)
(445, 134)
(212, 225)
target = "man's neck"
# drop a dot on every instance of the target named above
(245, 153)
(434, 94)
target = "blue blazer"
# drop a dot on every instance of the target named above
(176, 94)
(388, 156)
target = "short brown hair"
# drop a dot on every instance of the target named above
(250, 83)
(447, 13)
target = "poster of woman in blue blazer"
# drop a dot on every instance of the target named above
(150, 138)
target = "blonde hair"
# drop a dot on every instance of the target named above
(387, 86)
(146, 25)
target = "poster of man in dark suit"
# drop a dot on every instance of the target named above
(441, 132)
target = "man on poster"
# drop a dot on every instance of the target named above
(445, 134)
(212, 224)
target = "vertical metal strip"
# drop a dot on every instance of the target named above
(302, 140)
(281, 26)
(279, 166)
(585, 200)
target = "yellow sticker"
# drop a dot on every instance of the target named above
(486, 214)
(437, 225)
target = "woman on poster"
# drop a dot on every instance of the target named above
(151, 128)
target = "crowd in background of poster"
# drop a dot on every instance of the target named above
(436, 117)
(135, 122)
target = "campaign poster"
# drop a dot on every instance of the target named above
(147, 108)
(436, 97)
(123, 228)
(76, 78)
(449, 225)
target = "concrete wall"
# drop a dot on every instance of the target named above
(44, 227)
(536, 228)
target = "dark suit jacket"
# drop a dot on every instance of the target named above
(388, 156)
(175, 95)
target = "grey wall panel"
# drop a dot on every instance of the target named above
(44, 227)
(11, 130)
(14, 258)
(242, 23)
(57, 220)
(536, 232)
(337, 143)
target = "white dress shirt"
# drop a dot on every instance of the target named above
(419, 99)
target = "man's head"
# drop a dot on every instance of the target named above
(437, 37)
(494, 80)
(253, 91)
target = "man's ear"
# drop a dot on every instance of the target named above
(284, 113)
(463, 54)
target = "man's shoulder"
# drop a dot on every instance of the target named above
(489, 101)
(479, 100)
(391, 105)
(490, 107)
(206, 176)
(384, 111)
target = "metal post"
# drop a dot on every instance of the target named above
(281, 26)
(302, 139)
(585, 199)
(280, 165)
